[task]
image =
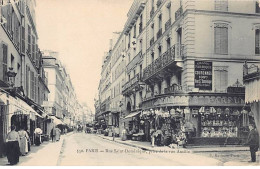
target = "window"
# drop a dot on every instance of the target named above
(141, 24)
(134, 32)
(4, 64)
(152, 57)
(257, 41)
(168, 43)
(160, 21)
(33, 48)
(221, 5)
(32, 85)
(141, 69)
(23, 39)
(220, 78)
(159, 51)
(221, 38)
(257, 7)
(29, 40)
(27, 80)
(12, 61)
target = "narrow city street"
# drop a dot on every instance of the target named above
(87, 149)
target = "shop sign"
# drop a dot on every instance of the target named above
(203, 75)
(18, 112)
(216, 101)
(172, 101)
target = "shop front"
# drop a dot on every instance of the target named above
(197, 118)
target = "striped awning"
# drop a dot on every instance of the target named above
(252, 93)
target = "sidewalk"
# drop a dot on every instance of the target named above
(47, 154)
(148, 146)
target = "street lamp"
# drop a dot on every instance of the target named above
(11, 76)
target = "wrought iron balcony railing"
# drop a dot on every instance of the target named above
(159, 33)
(160, 63)
(168, 24)
(131, 83)
(134, 61)
(178, 13)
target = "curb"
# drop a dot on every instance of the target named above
(151, 149)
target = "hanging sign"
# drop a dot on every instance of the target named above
(203, 75)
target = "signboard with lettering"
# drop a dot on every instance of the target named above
(203, 75)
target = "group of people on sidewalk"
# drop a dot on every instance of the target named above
(17, 143)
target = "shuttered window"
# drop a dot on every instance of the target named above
(221, 38)
(257, 41)
(221, 5)
(23, 40)
(4, 63)
(29, 40)
(257, 8)
(220, 78)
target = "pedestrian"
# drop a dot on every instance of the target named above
(253, 142)
(23, 141)
(12, 146)
(53, 134)
(37, 133)
(58, 131)
(29, 140)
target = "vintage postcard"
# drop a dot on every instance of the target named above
(129, 82)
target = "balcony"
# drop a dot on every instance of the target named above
(152, 12)
(165, 60)
(168, 24)
(152, 41)
(173, 89)
(133, 62)
(159, 33)
(250, 73)
(178, 13)
(132, 85)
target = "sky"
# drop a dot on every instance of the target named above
(80, 31)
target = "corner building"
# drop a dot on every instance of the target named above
(184, 69)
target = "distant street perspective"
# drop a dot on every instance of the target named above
(129, 83)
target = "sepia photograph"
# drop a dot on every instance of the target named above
(129, 83)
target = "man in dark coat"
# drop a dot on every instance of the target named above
(253, 142)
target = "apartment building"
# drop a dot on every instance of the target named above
(184, 68)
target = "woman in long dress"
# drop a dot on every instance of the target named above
(23, 141)
(58, 131)
(12, 146)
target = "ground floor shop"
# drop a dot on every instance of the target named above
(191, 119)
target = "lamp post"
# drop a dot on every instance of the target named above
(11, 76)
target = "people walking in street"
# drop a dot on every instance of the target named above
(53, 134)
(253, 142)
(23, 141)
(12, 146)
(37, 133)
(57, 131)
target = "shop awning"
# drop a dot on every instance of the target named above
(56, 121)
(132, 114)
(252, 91)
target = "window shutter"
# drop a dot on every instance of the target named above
(221, 39)
(23, 39)
(217, 40)
(217, 79)
(257, 39)
(4, 63)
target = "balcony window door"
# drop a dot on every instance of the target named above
(160, 21)
(159, 51)
(3, 67)
(168, 43)
(257, 7)
(221, 38)
(152, 57)
(257, 41)
(134, 32)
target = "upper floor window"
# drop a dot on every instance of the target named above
(134, 31)
(221, 38)
(220, 78)
(257, 41)
(257, 7)
(221, 5)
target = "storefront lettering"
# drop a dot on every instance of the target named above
(215, 100)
